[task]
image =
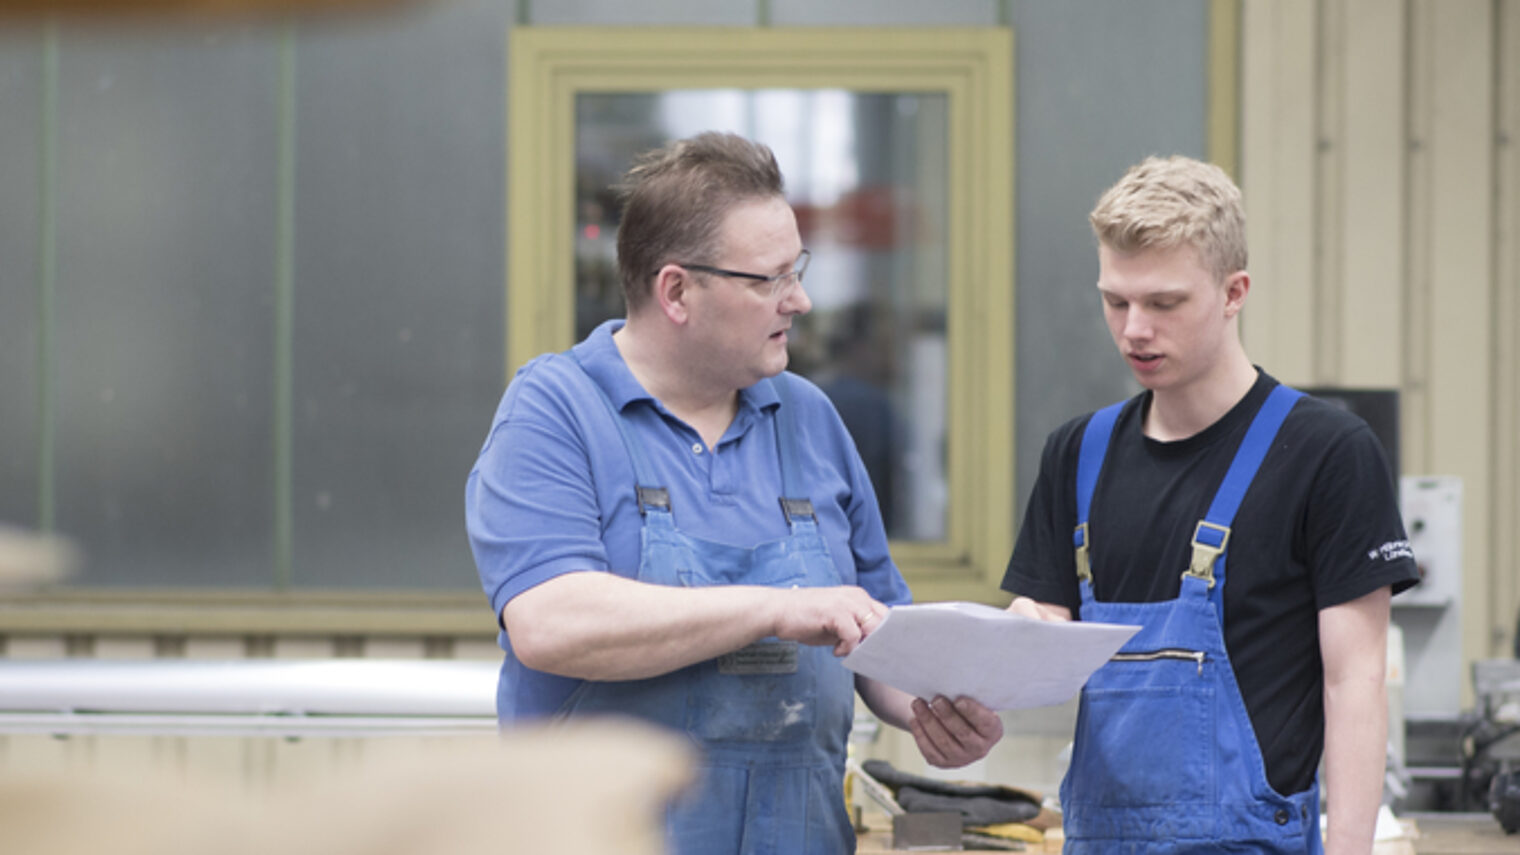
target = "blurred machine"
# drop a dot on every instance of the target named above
(1491, 742)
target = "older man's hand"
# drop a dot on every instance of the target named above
(952, 734)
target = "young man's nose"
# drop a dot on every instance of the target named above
(1137, 325)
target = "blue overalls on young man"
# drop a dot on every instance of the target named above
(1165, 758)
(772, 719)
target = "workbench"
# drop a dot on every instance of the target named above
(1459, 834)
(1429, 834)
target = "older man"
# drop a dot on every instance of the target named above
(671, 526)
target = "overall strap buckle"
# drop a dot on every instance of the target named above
(1084, 562)
(1209, 541)
(797, 509)
(656, 498)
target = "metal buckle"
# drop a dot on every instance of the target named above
(653, 497)
(795, 508)
(1084, 562)
(1204, 553)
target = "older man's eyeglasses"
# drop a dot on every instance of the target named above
(772, 286)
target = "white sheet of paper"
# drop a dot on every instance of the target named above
(1003, 660)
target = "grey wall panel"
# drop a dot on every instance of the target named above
(782, 13)
(1100, 85)
(165, 244)
(658, 13)
(399, 271)
(167, 263)
(21, 58)
(885, 13)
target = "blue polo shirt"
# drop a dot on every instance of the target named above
(553, 489)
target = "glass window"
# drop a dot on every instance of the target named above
(183, 455)
(163, 340)
(897, 152)
(867, 177)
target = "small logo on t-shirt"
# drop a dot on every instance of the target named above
(1391, 551)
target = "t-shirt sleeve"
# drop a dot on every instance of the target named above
(1043, 566)
(531, 507)
(1354, 536)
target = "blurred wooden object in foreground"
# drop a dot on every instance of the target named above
(580, 789)
(28, 558)
(13, 11)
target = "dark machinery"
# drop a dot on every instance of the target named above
(1504, 790)
(1504, 799)
(1491, 743)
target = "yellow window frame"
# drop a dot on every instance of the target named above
(549, 66)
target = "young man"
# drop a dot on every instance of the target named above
(671, 527)
(1252, 532)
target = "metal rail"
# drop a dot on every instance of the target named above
(290, 699)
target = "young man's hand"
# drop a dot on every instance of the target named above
(953, 734)
(1037, 610)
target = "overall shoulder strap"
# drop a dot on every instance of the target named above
(1212, 534)
(795, 503)
(650, 495)
(1095, 438)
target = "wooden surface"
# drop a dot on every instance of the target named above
(880, 843)
(1460, 834)
(1429, 834)
(578, 788)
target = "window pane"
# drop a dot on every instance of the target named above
(866, 174)
(165, 341)
(165, 236)
(20, 188)
(398, 338)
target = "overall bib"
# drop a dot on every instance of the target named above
(772, 719)
(1165, 759)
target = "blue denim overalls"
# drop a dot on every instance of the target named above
(771, 719)
(1165, 759)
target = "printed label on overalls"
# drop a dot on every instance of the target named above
(762, 657)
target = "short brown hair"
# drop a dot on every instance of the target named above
(674, 199)
(1165, 203)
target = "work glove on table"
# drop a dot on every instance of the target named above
(978, 804)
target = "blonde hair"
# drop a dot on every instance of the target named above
(1171, 202)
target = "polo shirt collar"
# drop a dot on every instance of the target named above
(601, 359)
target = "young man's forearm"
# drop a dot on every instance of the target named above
(1353, 642)
(1356, 739)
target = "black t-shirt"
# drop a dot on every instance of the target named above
(1319, 526)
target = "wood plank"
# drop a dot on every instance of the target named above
(1461, 275)
(1505, 526)
(1372, 199)
(1277, 170)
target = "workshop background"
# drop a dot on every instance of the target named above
(257, 296)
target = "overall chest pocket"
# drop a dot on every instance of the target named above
(1146, 733)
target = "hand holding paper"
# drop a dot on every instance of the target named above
(1003, 660)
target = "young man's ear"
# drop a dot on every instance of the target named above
(1236, 286)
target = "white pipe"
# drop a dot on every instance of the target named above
(357, 687)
